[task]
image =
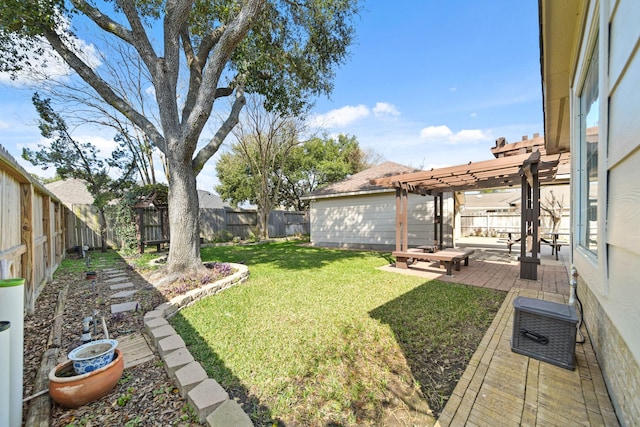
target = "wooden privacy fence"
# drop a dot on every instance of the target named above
(215, 224)
(32, 228)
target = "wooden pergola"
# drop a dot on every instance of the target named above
(530, 171)
(151, 202)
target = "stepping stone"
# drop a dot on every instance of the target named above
(111, 270)
(116, 279)
(123, 294)
(125, 306)
(121, 286)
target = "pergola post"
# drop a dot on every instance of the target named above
(402, 208)
(530, 219)
(438, 223)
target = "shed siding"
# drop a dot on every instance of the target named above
(368, 221)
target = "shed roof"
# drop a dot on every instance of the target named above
(360, 183)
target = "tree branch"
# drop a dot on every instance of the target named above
(231, 37)
(214, 144)
(104, 21)
(103, 89)
(196, 63)
(140, 40)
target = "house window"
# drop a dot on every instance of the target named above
(588, 190)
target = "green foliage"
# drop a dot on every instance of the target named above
(124, 227)
(73, 159)
(319, 162)
(308, 166)
(20, 24)
(124, 214)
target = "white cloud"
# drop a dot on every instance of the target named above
(384, 109)
(470, 135)
(474, 115)
(453, 88)
(435, 132)
(445, 135)
(340, 117)
(4, 125)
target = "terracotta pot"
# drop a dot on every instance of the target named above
(77, 390)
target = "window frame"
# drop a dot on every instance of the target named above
(592, 266)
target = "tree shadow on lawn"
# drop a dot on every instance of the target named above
(215, 367)
(439, 326)
(286, 255)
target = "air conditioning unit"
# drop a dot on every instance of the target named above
(545, 331)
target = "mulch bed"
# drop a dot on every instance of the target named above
(144, 396)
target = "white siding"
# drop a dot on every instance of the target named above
(369, 221)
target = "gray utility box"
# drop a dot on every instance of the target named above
(545, 331)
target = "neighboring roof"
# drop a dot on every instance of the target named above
(496, 173)
(360, 183)
(209, 200)
(71, 191)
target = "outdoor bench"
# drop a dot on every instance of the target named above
(449, 257)
(157, 243)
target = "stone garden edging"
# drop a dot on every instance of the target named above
(210, 401)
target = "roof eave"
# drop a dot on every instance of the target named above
(560, 26)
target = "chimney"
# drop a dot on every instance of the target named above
(536, 135)
(525, 137)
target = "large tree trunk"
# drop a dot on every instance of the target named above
(184, 249)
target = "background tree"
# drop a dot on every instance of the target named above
(553, 207)
(319, 162)
(252, 170)
(307, 167)
(285, 50)
(73, 159)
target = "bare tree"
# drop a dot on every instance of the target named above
(554, 207)
(265, 140)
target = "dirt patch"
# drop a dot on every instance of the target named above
(144, 396)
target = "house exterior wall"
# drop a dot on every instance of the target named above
(609, 284)
(369, 221)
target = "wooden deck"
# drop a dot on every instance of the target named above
(503, 388)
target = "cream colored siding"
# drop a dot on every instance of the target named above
(610, 285)
(369, 221)
(623, 199)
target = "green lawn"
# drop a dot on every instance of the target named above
(321, 337)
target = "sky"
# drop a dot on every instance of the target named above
(427, 84)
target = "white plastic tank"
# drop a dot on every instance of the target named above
(12, 310)
(5, 371)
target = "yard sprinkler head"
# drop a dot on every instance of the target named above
(93, 286)
(88, 261)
